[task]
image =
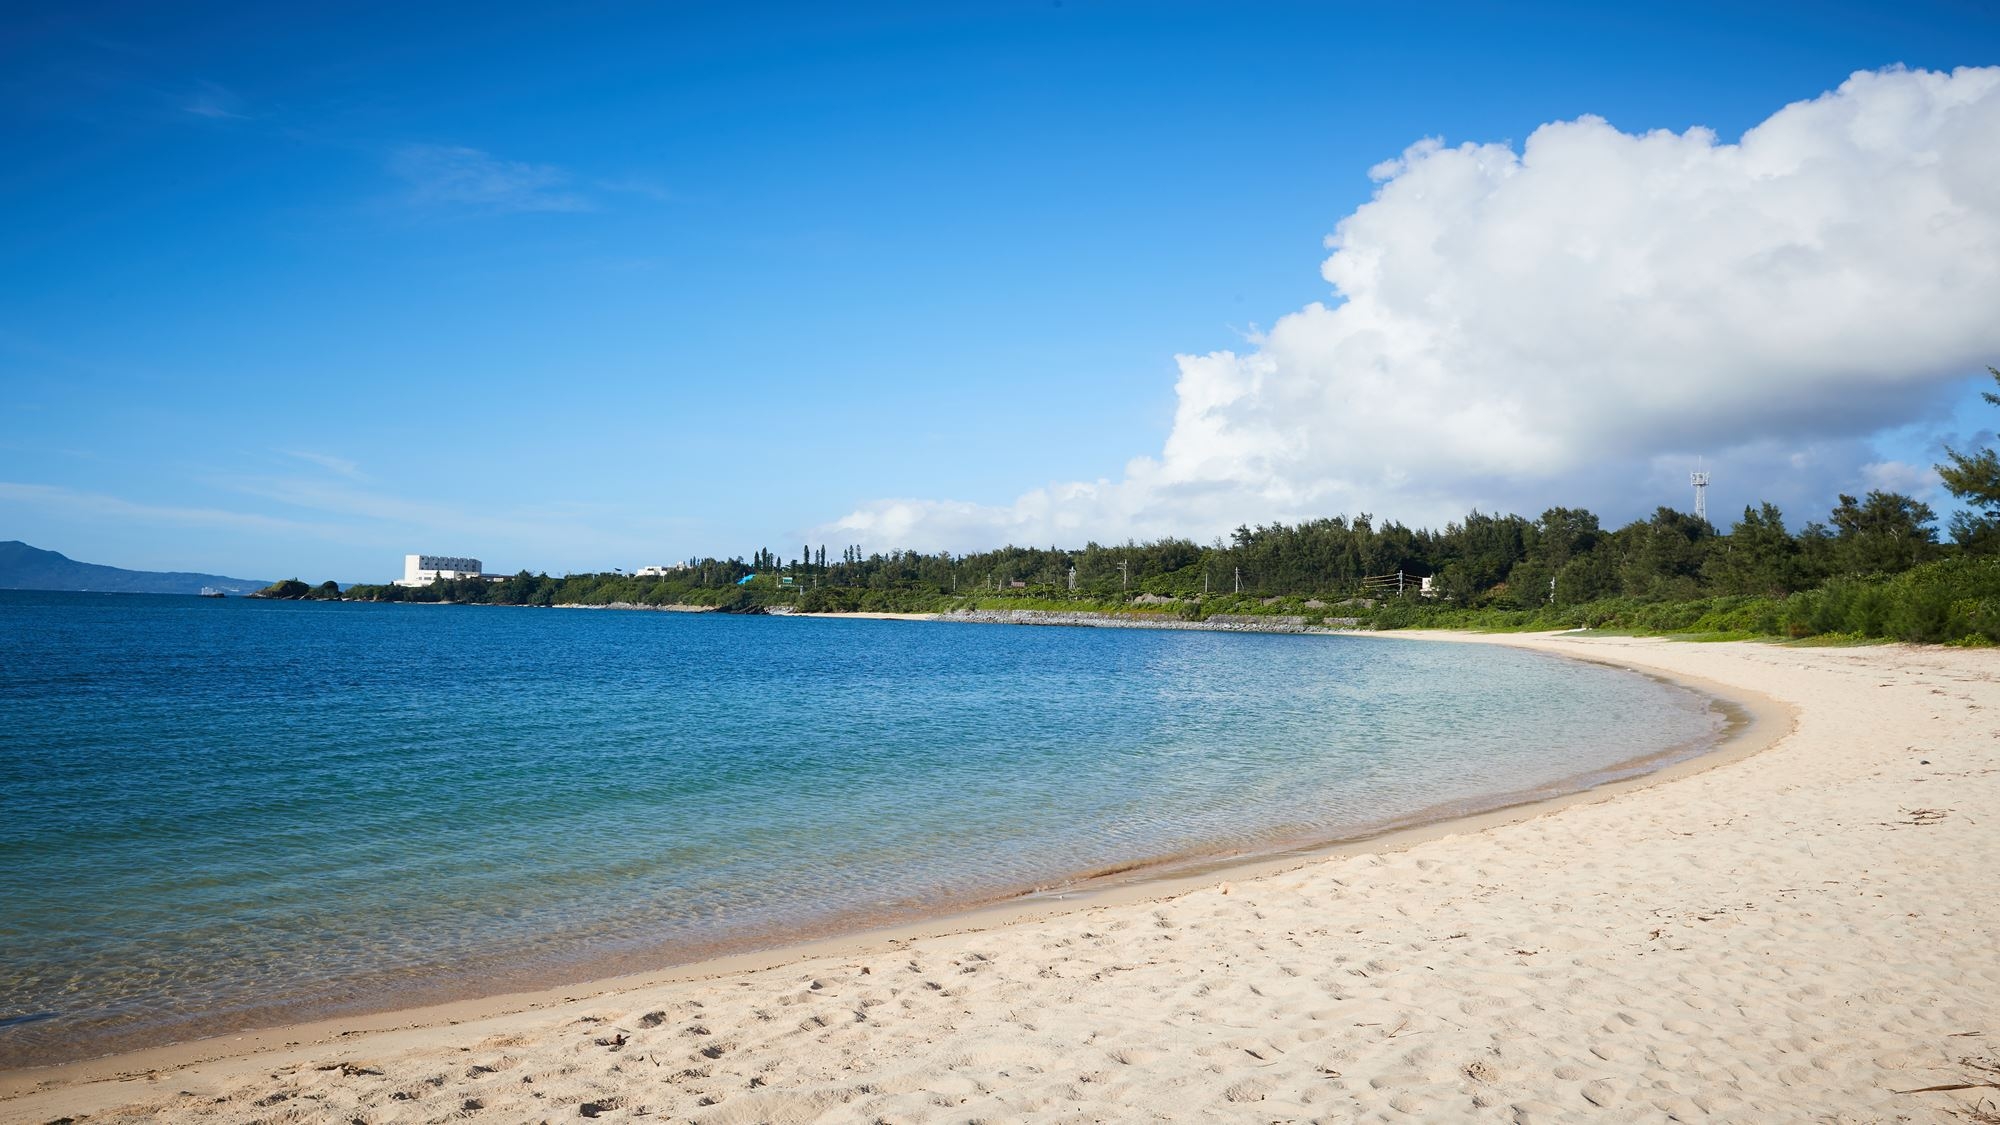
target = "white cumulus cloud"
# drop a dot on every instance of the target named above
(1516, 327)
(1920, 481)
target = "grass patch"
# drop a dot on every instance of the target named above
(1835, 640)
(1715, 635)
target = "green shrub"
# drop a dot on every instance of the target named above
(1949, 601)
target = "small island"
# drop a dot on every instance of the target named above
(293, 590)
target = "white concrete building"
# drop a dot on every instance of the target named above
(658, 571)
(422, 570)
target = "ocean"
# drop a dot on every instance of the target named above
(218, 814)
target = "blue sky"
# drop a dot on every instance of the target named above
(294, 292)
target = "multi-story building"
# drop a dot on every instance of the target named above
(422, 570)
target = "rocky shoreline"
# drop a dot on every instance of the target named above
(1087, 619)
(1219, 623)
(636, 605)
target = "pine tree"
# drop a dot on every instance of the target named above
(1975, 479)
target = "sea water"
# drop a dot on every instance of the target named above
(218, 814)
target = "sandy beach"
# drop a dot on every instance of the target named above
(1802, 927)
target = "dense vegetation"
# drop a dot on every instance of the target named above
(293, 590)
(1876, 567)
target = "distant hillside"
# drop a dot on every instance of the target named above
(30, 568)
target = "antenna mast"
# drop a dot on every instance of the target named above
(1700, 479)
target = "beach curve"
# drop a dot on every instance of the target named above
(1577, 965)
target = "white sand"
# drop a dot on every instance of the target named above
(1801, 935)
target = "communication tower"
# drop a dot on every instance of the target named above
(1700, 479)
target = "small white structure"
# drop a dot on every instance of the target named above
(658, 571)
(422, 570)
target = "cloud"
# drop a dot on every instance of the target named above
(455, 176)
(329, 462)
(386, 510)
(216, 103)
(1521, 327)
(72, 502)
(577, 531)
(1919, 481)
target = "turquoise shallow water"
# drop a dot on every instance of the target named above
(216, 814)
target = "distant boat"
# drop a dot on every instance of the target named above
(212, 592)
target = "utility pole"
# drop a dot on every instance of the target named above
(1125, 575)
(1072, 578)
(1239, 579)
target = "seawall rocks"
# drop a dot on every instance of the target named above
(1219, 623)
(636, 605)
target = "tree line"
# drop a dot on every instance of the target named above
(1544, 569)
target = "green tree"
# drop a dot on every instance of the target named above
(289, 588)
(1817, 559)
(1975, 479)
(1758, 557)
(1883, 533)
(1480, 552)
(1664, 555)
(1566, 533)
(1587, 577)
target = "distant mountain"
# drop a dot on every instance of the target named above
(30, 568)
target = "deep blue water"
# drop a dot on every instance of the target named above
(217, 814)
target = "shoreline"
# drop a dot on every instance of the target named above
(1285, 624)
(1796, 923)
(513, 986)
(1753, 723)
